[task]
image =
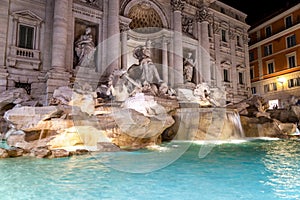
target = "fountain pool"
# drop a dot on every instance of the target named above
(252, 169)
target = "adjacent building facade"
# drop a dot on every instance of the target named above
(41, 49)
(275, 58)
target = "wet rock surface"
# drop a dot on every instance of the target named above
(77, 122)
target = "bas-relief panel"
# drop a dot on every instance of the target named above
(91, 3)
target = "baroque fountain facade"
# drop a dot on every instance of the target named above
(124, 74)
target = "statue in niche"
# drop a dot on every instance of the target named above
(85, 49)
(188, 67)
(145, 72)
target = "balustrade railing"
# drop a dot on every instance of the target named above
(24, 53)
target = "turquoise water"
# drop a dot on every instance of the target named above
(250, 170)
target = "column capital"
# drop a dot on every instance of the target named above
(203, 15)
(124, 27)
(177, 5)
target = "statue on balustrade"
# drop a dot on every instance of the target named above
(188, 67)
(85, 49)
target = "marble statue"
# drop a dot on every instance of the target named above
(145, 72)
(149, 72)
(188, 68)
(85, 49)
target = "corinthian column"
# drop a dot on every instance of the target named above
(202, 17)
(58, 75)
(113, 31)
(178, 6)
(60, 35)
(124, 37)
(4, 15)
(165, 67)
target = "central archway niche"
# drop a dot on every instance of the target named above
(144, 18)
(148, 23)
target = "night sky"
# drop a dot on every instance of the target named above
(255, 11)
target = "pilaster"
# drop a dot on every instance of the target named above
(247, 74)
(219, 74)
(234, 73)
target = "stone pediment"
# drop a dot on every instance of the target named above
(27, 14)
(226, 64)
(241, 67)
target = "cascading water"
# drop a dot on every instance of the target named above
(234, 118)
(207, 124)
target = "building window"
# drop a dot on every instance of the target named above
(238, 41)
(291, 41)
(209, 30)
(268, 50)
(270, 87)
(271, 67)
(266, 88)
(253, 90)
(288, 22)
(26, 37)
(251, 73)
(224, 39)
(223, 10)
(293, 82)
(251, 56)
(241, 78)
(226, 75)
(273, 86)
(268, 31)
(292, 61)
